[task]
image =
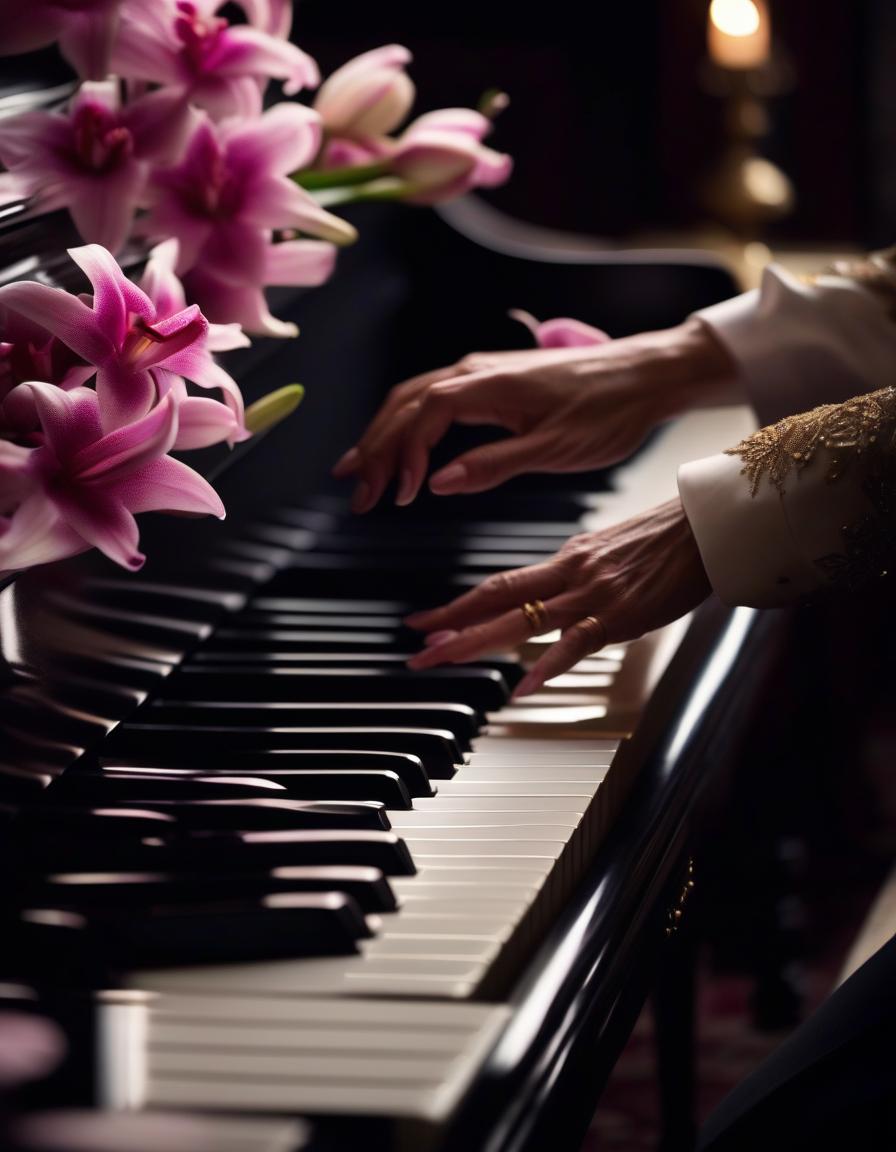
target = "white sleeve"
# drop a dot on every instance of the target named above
(804, 504)
(799, 343)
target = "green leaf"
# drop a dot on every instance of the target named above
(273, 408)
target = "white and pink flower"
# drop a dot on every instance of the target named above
(441, 156)
(83, 29)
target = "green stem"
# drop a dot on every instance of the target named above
(313, 178)
(386, 188)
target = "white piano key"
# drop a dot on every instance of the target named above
(565, 788)
(583, 773)
(494, 918)
(550, 749)
(449, 846)
(426, 948)
(411, 821)
(562, 806)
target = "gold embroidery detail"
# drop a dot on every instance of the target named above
(847, 429)
(876, 272)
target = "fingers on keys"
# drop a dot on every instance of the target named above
(501, 592)
(581, 639)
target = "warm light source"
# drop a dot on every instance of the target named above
(735, 17)
(738, 33)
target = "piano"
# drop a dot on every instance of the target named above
(274, 890)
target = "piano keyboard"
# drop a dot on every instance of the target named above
(315, 876)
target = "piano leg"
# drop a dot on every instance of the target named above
(673, 1004)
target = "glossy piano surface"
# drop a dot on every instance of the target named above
(532, 850)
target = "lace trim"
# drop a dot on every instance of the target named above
(847, 430)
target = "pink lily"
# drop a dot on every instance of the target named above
(88, 485)
(562, 332)
(201, 421)
(84, 30)
(222, 202)
(271, 16)
(366, 98)
(223, 68)
(93, 158)
(122, 334)
(441, 155)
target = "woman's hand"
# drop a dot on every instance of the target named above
(567, 409)
(600, 588)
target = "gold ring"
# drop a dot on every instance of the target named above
(536, 616)
(593, 624)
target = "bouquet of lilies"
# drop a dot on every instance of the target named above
(170, 148)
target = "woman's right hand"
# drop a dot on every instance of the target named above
(566, 409)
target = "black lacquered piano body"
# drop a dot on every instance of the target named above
(93, 649)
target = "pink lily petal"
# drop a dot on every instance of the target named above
(280, 203)
(69, 420)
(235, 251)
(114, 296)
(159, 281)
(287, 137)
(86, 40)
(14, 474)
(221, 97)
(105, 523)
(103, 208)
(249, 49)
(60, 313)
(465, 121)
(125, 394)
(197, 365)
(129, 448)
(243, 303)
(142, 49)
(225, 337)
(167, 485)
(303, 262)
(561, 332)
(159, 122)
(37, 534)
(203, 422)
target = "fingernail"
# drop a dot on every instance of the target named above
(347, 463)
(406, 487)
(439, 637)
(361, 497)
(448, 478)
(527, 685)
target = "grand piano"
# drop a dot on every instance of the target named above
(276, 891)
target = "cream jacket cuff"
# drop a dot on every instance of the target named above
(800, 344)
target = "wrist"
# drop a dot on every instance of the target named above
(693, 369)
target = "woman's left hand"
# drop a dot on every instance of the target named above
(601, 588)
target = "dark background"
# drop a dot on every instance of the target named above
(610, 125)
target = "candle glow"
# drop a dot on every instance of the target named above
(739, 33)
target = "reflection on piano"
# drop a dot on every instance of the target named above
(258, 871)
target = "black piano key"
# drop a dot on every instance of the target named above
(217, 851)
(482, 689)
(77, 821)
(258, 815)
(261, 639)
(108, 788)
(277, 926)
(458, 719)
(343, 784)
(510, 670)
(367, 886)
(433, 751)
